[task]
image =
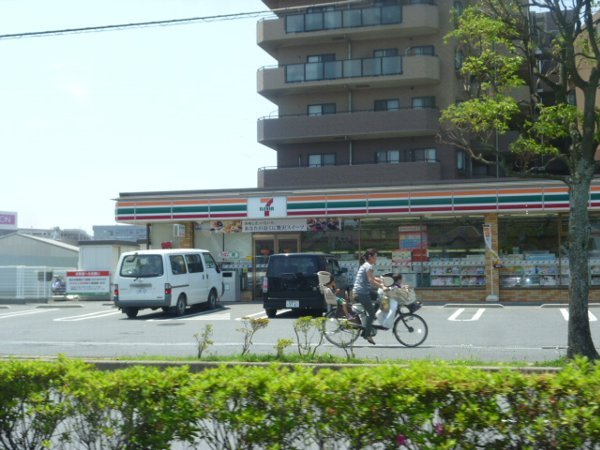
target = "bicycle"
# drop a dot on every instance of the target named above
(410, 329)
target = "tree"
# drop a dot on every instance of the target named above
(519, 82)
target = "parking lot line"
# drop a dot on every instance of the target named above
(24, 313)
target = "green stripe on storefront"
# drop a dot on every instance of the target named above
(166, 210)
(311, 205)
(556, 197)
(430, 201)
(474, 200)
(348, 204)
(190, 209)
(387, 203)
(520, 199)
(228, 208)
(125, 211)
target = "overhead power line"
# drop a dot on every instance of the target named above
(166, 22)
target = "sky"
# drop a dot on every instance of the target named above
(87, 116)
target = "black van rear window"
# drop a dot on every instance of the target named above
(305, 265)
(142, 266)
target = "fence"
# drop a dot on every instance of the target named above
(21, 284)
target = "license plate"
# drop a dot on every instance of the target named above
(292, 303)
(141, 291)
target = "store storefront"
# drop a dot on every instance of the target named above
(465, 243)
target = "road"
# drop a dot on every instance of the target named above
(94, 329)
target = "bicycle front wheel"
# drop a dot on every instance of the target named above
(410, 330)
(340, 331)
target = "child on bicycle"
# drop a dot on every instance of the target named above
(339, 294)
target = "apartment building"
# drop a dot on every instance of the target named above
(359, 87)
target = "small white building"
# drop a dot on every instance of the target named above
(19, 249)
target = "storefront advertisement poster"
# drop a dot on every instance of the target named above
(273, 225)
(324, 224)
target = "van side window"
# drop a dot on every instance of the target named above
(177, 264)
(211, 263)
(194, 263)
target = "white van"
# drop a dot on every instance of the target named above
(169, 279)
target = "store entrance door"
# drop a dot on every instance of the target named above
(263, 246)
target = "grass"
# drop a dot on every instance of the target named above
(330, 359)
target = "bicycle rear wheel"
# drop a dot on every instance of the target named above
(340, 331)
(410, 329)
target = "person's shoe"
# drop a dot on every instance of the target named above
(370, 340)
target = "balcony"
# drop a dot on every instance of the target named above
(389, 71)
(353, 24)
(357, 126)
(363, 175)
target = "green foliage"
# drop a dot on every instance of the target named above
(203, 339)
(281, 345)
(306, 329)
(482, 115)
(417, 405)
(32, 403)
(251, 326)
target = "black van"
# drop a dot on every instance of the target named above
(291, 281)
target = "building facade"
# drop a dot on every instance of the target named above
(359, 88)
(359, 91)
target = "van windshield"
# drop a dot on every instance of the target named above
(142, 266)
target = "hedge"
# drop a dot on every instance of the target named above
(72, 405)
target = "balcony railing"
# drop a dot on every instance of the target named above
(349, 68)
(347, 18)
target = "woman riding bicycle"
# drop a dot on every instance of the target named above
(365, 290)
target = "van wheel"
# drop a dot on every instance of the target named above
(212, 300)
(179, 308)
(131, 312)
(271, 312)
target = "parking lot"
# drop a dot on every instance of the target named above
(97, 329)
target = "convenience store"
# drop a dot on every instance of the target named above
(469, 242)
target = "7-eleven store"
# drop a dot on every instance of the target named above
(454, 243)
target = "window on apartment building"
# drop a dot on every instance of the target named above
(461, 161)
(423, 102)
(321, 159)
(459, 59)
(320, 67)
(385, 61)
(424, 154)
(418, 50)
(387, 157)
(571, 98)
(458, 8)
(383, 52)
(390, 104)
(321, 109)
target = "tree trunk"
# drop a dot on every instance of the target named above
(579, 336)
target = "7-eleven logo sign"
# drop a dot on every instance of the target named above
(261, 207)
(268, 206)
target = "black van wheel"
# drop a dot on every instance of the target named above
(131, 312)
(179, 308)
(271, 312)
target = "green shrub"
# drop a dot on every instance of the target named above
(418, 405)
